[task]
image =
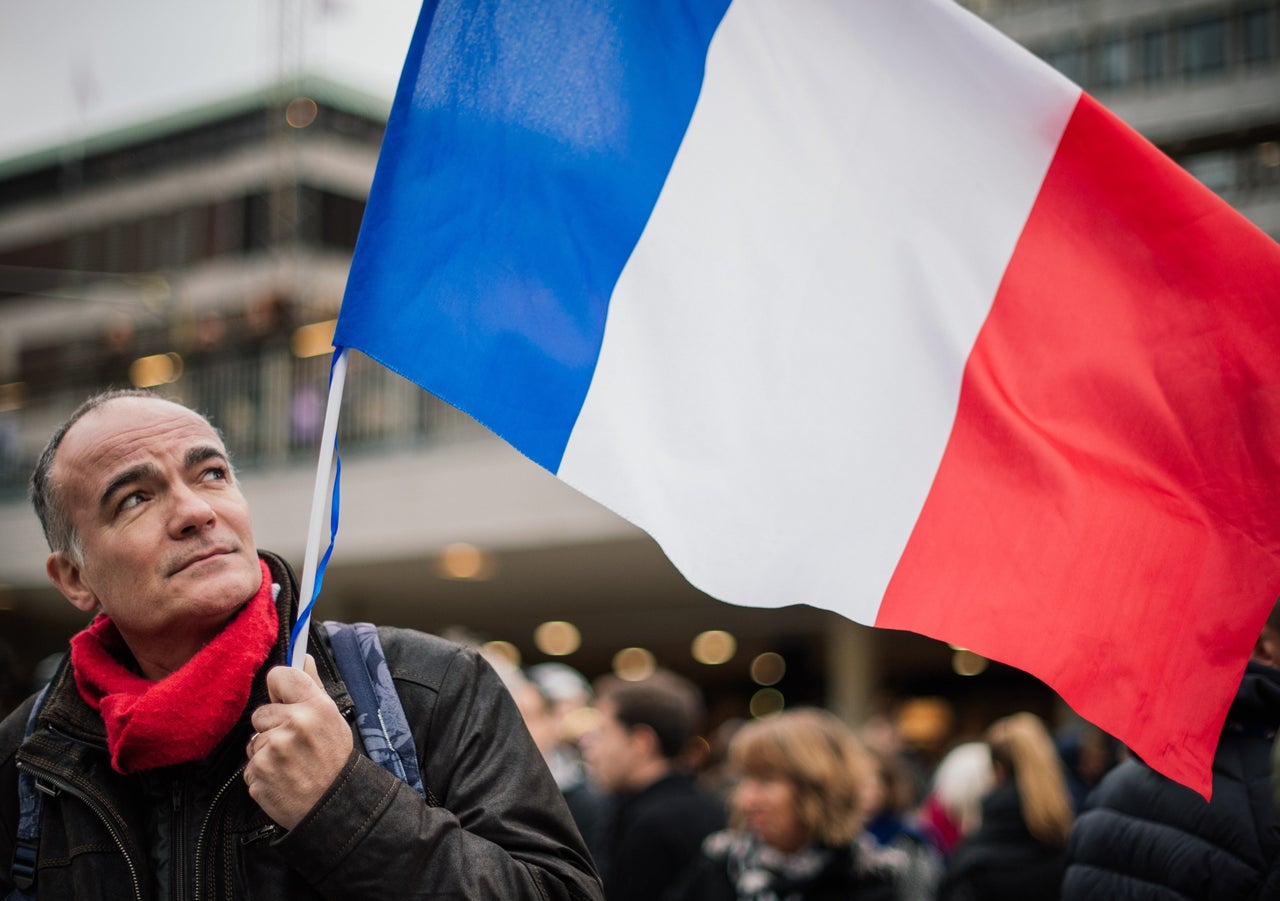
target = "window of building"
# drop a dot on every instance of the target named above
(148, 245)
(31, 269)
(1110, 61)
(226, 224)
(175, 239)
(1153, 51)
(1257, 36)
(118, 249)
(340, 220)
(255, 231)
(1202, 47)
(168, 241)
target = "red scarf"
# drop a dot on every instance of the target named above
(183, 716)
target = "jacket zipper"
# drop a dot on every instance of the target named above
(98, 806)
(178, 829)
(204, 827)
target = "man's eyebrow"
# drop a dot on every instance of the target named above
(200, 453)
(127, 477)
(194, 457)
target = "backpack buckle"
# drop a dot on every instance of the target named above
(24, 863)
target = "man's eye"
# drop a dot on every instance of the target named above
(214, 474)
(130, 500)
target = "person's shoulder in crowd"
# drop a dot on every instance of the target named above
(1141, 831)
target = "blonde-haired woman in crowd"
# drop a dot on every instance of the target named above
(1018, 850)
(796, 815)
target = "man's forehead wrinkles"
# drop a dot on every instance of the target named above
(103, 449)
(130, 439)
(183, 448)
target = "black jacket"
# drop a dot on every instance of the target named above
(1143, 836)
(653, 835)
(1002, 860)
(498, 827)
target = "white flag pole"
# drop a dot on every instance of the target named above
(319, 505)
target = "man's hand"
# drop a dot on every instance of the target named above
(300, 745)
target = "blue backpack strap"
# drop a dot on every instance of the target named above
(26, 845)
(380, 717)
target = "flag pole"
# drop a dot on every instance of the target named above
(319, 498)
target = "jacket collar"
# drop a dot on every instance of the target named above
(1257, 701)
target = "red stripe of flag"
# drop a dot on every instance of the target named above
(1120, 420)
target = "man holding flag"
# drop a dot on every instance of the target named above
(172, 757)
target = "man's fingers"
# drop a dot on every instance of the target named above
(301, 744)
(287, 685)
(309, 667)
(266, 718)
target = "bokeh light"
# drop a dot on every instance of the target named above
(714, 647)
(557, 638)
(767, 701)
(768, 668)
(634, 664)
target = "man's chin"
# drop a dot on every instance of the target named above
(227, 580)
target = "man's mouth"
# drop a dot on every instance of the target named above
(201, 557)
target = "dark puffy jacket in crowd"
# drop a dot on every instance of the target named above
(1143, 836)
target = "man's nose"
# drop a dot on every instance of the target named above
(190, 512)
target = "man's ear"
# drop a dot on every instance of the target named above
(65, 574)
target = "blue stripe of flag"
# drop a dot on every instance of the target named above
(526, 148)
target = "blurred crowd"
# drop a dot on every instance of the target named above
(801, 806)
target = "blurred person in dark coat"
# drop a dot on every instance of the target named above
(586, 806)
(657, 816)
(1017, 852)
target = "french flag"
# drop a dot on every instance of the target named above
(852, 303)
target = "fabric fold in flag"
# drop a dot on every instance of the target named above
(853, 304)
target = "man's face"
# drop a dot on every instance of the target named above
(610, 750)
(537, 716)
(167, 544)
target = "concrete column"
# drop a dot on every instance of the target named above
(852, 668)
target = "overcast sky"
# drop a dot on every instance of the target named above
(74, 67)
